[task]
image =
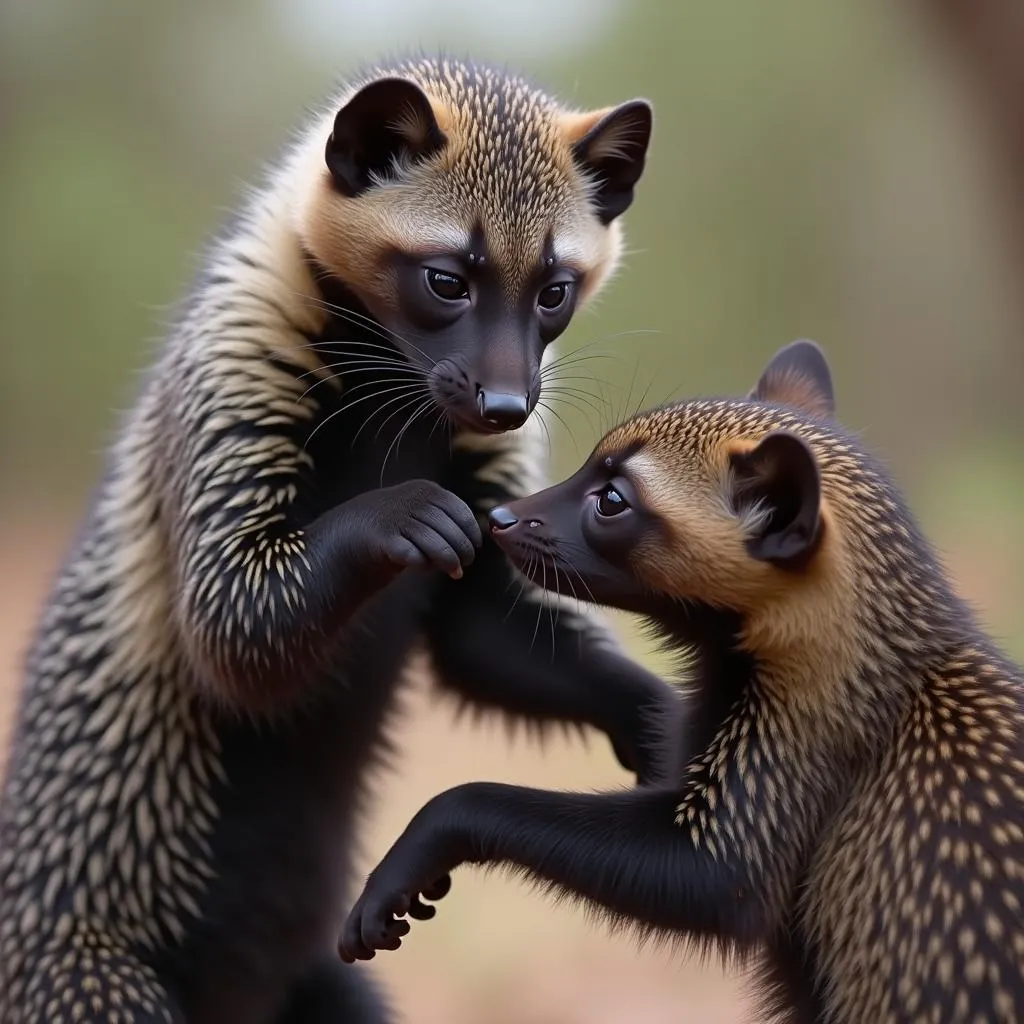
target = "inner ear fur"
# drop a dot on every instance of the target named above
(798, 375)
(388, 120)
(610, 146)
(780, 475)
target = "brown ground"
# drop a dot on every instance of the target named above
(497, 952)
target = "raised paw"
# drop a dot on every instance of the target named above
(375, 922)
(421, 523)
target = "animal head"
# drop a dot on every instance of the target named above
(471, 215)
(760, 507)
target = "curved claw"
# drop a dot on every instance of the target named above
(420, 911)
(378, 924)
(393, 895)
(390, 934)
(438, 889)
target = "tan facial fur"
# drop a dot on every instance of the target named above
(682, 474)
(507, 168)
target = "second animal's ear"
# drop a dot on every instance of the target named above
(386, 121)
(612, 149)
(780, 480)
(798, 376)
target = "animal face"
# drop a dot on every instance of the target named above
(471, 216)
(718, 503)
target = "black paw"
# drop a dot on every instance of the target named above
(419, 523)
(376, 921)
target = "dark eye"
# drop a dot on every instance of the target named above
(553, 296)
(611, 503)
(446, 286)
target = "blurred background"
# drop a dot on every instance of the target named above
(850, 171)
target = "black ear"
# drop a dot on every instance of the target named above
(781, 476)
(613, 154)
(386, 120)
(798, 376)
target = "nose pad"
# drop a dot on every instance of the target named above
(502, 410)
(501, 518)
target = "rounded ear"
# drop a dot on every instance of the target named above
(798, 376)
(385, 121)
(612, 153)
(778, 483)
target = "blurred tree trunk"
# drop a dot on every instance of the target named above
(988, 36)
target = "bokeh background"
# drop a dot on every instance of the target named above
(850, 171)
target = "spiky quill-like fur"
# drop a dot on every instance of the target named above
(213, 673)
(852, 811)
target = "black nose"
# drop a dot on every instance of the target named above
(501, 410)
(501, 518)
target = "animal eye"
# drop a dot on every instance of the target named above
(611, 503)
(446, 286)
(553, 296)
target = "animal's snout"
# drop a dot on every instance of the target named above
(503, 410)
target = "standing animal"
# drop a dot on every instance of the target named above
(291, 512)
(851, 812)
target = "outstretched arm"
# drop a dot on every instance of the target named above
(714, 858)
(622, 853)
(496, 646)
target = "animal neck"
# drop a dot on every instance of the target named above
(825, 686)
(718, 671)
